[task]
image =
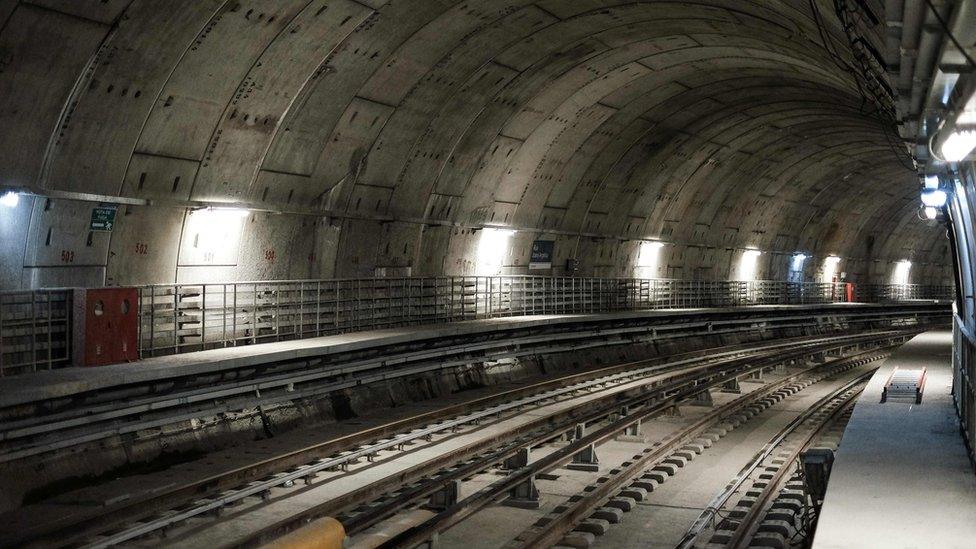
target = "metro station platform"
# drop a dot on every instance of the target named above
(66, 382)
(901, 477)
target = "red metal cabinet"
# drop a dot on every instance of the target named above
(106, 326)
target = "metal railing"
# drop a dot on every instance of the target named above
(964, 381)
(885, 293)
(36, 326)
(35, 330)
(176, 318)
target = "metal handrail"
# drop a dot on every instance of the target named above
(176, 318)
(36, 325)
(35, 330)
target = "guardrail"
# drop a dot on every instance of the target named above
(885, 293)
(964, 381)
(36, 325)
(176, 318)
(35, 330)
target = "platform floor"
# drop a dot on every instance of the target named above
(28, 388)
(901, 478)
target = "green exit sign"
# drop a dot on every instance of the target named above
(103, 218)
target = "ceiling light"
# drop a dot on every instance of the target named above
(931, 213)
(934, 198)
(10, 199)
(958, 145)
(931, 182)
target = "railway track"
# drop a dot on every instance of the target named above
(725, 523)
(631, 480)
(582, 398)
(38, 427)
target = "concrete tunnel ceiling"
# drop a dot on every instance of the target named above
(379, 135)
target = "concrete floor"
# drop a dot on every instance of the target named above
(252, 516)
(661, 520)
(902, 479)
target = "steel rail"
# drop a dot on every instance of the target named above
(749, 523)
(461, 510)
(556, 527)
(434, 477)
(720, 499)
(86, 417)
(261, 487)
(302, 456)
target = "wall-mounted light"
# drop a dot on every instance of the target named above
(223, 211)
(492, 248)
(930, 182)
(648, 258)
(830, 267)
(212, 236)
(798, 260)
(958, 145)
(747, 265)
(901, 273)
(10, 199)
(931, 213)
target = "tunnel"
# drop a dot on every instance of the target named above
(540, 273)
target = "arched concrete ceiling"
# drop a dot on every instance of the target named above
(382, 131)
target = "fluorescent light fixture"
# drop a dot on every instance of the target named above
(648, 258)
(931, 182)
(10, 199)
(958, 145)
(747, 265)
(901, 272)
(798, 260)
(931, 213)
(492, 249)
(224, 211)
(830, 267)
(213, 236)
(934, 198)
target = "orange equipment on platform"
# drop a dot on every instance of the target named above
(106, 328)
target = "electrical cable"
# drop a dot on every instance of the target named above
(825, 38)
(882, 111)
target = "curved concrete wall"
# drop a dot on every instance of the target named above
(379, 136)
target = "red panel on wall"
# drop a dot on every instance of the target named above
(111, 329)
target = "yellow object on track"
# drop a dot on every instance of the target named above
(323, 533)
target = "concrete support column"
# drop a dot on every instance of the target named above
(586, 459)
(732, 386)
(445, 497)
